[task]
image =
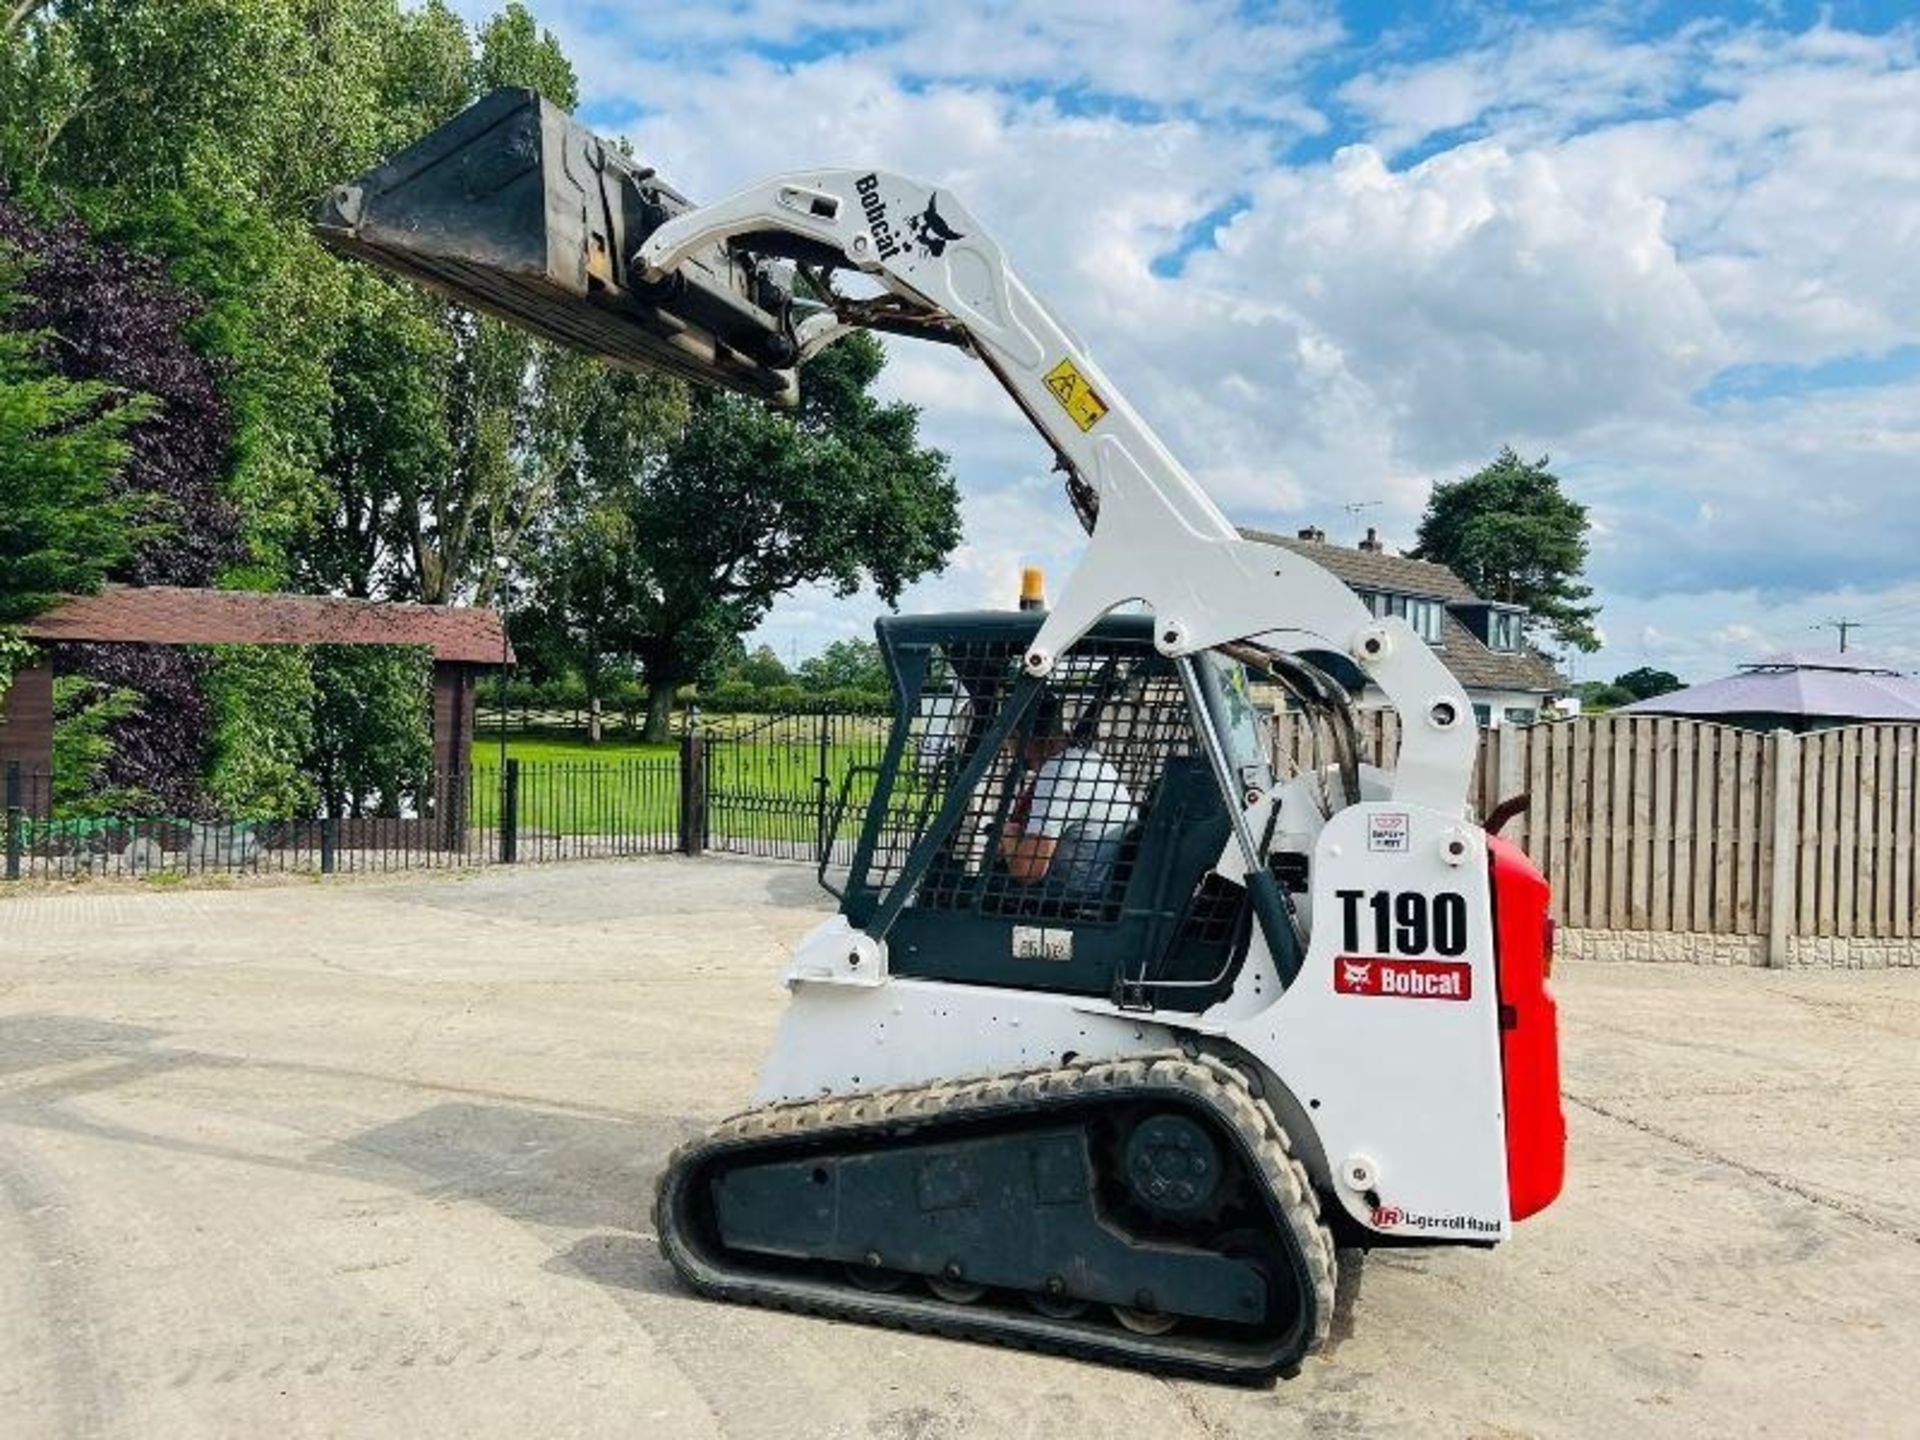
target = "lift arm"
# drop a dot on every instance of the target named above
(1159, 538)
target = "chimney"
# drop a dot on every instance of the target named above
(1372, 543)
(1314, 533)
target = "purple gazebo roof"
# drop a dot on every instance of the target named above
(1811, 685)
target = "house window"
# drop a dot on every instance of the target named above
(1506, 630)
(1483, 716)
(1517, 716)
(1422, 615)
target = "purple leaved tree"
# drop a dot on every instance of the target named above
(112, 316)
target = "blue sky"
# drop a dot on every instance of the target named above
(1338, 251)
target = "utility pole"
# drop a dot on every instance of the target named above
(1842, 625)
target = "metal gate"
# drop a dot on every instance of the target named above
(788, 786)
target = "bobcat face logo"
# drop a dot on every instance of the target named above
(930, 232)
(1359, 974)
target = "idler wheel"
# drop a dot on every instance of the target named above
(1172, 1164)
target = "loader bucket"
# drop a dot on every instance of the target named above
(513, 208)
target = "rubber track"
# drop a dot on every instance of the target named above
(1222, 1089)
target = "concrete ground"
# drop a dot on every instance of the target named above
(373, 1159)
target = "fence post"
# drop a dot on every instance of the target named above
(14, 801)
(329, 844)
(693, 790)
(822, 783)
(510, 811)
(1510, 771)
(1781, 913)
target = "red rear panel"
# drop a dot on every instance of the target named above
(1529, 1032)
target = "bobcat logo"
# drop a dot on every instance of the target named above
(930, 231)
(1359, 974)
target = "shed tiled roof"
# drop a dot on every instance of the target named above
(1472, 663)
(167, 615)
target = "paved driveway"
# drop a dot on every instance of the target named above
(373, 1159)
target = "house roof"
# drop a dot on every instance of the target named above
(168, 615)
(1479, 668)
(1802, 684)
(1472, 663)
(1375, 569)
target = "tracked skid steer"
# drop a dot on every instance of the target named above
(1117, 1033)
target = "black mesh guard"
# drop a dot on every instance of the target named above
(1079, 770)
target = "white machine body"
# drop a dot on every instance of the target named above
(1383, 1056)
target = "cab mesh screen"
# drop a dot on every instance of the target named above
(1053, 827)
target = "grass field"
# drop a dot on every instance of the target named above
(769, 783)
(535, 748)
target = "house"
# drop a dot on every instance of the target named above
(1798, 690)
(1483, 642)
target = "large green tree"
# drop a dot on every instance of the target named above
(683, 523)
(202, 131)
(1515, 536)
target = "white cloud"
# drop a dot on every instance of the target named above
(1477, 296)
(1535, 82)
(1627, 214)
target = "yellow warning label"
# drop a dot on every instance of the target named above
(1075, 395)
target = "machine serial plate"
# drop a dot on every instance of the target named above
(1031, 942)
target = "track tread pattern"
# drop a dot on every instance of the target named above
(1218, 1085)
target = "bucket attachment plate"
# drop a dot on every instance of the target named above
(513, 208)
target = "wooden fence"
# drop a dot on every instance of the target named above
(1660, 823)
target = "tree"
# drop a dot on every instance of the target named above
(107, 319)
(1599, 696)
(372, 742)
(694, 532)
(762, 669)
(1646, 682)
(201, 131)
(1510, 533)
(61, 444)
(845, 665)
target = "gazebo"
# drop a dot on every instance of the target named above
(1797, 690)
(462, 640)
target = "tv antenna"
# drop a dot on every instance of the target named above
(1843, 625)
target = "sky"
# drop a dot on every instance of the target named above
(1336, 252)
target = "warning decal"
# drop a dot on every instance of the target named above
(1075, 395)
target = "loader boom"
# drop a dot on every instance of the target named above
(1158, 538)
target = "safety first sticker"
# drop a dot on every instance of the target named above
(1075, 395)
(1389, 831)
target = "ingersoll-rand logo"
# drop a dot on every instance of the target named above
(1409, 979)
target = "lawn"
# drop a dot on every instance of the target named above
(764, 784)
(534, 747)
